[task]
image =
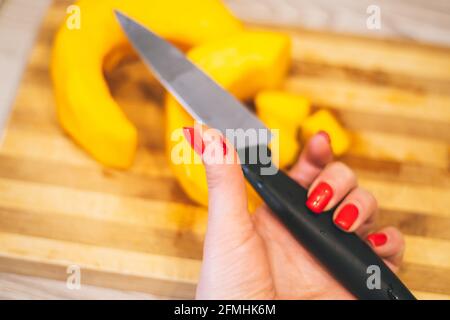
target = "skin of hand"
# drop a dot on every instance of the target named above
(253, 256)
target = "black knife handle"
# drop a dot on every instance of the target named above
(345, 255)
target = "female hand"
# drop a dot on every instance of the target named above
(255, 257)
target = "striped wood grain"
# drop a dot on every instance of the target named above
(136, 229)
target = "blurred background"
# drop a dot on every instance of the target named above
(419, 20)
(402, 75)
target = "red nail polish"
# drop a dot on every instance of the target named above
(325, 135)
(194, 139)
(225, 149)
(320, 197)
(346, 216)
(377, 239)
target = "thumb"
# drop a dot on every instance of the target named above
(228, 217)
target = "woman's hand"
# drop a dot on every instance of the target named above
(254, 257)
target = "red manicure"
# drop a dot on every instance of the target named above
(225, 150)
(197, 142)
(346, 216)
(194, 139)
(377, 239)
(320, 197)
(325, 135)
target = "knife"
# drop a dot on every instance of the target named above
(348, 258)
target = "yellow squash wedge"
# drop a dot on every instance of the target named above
(85, 107)
(323, 120)
(285, 112)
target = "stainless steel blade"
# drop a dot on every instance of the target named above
(202, 97)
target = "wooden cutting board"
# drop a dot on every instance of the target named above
(137, 230)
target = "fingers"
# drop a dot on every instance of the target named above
(228, 216)
(356, 213)
(314, 157)
(389, 244)
(330, 187)
(331, 183)
(230, 236)
(337, 184)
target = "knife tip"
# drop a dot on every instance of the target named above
(120, 16)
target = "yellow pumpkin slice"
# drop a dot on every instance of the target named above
(84, 104)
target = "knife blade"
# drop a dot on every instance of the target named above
(345, 255)
(178, 74)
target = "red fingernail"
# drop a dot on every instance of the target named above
(225, 150)
(346, 216)
(320, 197)
(194, 139)
(325, 135)
(377, 239)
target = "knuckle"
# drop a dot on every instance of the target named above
(344, 171)
(372, 202)
(214, 177)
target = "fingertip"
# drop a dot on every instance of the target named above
(318, 149)
(194, 138)
(388, 236)
(314, 157)
(377, 239)
(325, 135)
(331, 186)
(346, 217)
(217, 150)
(389, 244)
(357, 212)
